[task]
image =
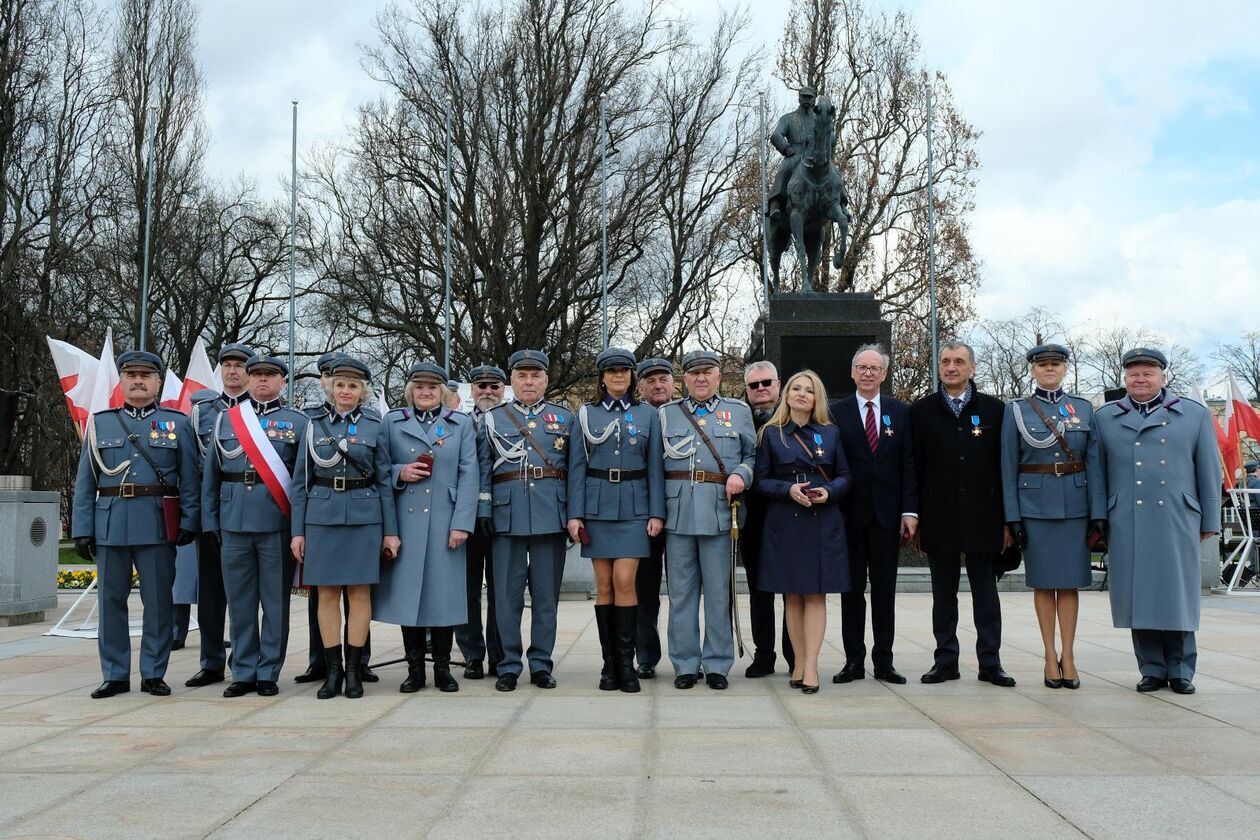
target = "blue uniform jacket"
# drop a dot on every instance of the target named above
(633, 443)
(365, 441)
(247, 507)
(533, 505)
(1044, 496)
(701, 508)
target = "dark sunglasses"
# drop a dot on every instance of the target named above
(491, 386)
(763, 383)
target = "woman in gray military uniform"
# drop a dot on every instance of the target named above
(343, 518)
(434, 478)
(1053, 494)
(616, 503)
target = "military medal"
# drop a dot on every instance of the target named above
(170, 425)
(888, 429)
(701, 422)
(352, 429)
(153, 432)
(1071, 409)
(975, 425)
(559, 444)
(818, 449)
(532, 424)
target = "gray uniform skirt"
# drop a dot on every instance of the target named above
(342, 555)
(611, 539)
(1057, 556)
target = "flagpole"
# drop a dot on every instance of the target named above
(603, 226)
(148, 227)
(761, 169)
(292, 247)
(931, 228)
(446, 339)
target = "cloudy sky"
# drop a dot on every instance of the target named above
(1119, 180)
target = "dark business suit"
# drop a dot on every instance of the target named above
(958, 471)
(883, 489)
(760, 604)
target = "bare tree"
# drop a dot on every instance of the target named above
(1242, 358)
(1002, 351)
(1102, 352)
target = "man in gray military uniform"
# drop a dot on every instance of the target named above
(1163, 497)
(244, 501)
(790, 135)
(523, 447)
(709, 446)
(136, 498)
(211, 596)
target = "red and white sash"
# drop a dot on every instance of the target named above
(263, 457)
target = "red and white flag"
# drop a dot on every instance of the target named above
(107, 389)
(197, 376)
(172, 389)
(1230, 444)
(1246, 418)
(263, 457)
(76, 370)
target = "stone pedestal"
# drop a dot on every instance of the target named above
(820, 332)
(29, 533)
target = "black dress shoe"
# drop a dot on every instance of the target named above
(809, 689)
(240, 689)
(889, 674)
(542, 679)
(759, 668)
(366, 674)
(940, 673)
(1181, 685)
(850, 672)
(155, 686)
(716, 682)
(507, 682)
(1073, 683)
(1056, 682)
(685, 681)
(646, 672)
(796, 684)
(315, 673)
(111, 687)
(474, 671)
(997, 676)
(204, 678)
(1148, 684)
(266, 688)
(178, 644)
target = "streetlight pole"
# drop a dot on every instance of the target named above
(931, 226)
(292, 249)
(446, 303)
(603, 226)
(765, 198)
(148, 227)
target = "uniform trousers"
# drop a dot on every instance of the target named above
(315, 658)
(873, 553)
(700, 566)
(986, 609)
(155, 564)
(473, 643)
(211, 604)
(181, 618)
(647, 588)
(538, 559)
(1166, 654)
(258, 572)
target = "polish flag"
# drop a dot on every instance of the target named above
(1229, 442)
(77, 372)
(197, 376)
(1246, 418)
(107, 389)
(172, 389)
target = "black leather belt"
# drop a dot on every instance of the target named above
(530, 473)
(129, 491)
(249, 477)
(340, 482)
(616, 476)
(1062, 468)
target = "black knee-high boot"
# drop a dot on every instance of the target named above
(334, 675)
(413, 648)
(442, 638)
(626, 620)
(354, 660)
(608, 678)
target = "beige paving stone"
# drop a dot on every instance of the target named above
(26, 794)
(303, 708)
(1051, 751)
(92, 747)
(225, 750)
(1246, 788)
(214, 710)
(744, 806)
(408, 751)
(461, 709)
(842, 709)
(717, 709)
(1219, 751)
(608, 710)
(896, 752)
(708, 753)
(585, 752)
(573, 806)
(74, 709)
(1010, 709)
(16, 737)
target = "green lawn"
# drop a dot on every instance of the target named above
(67, 557)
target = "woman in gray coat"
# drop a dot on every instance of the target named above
(434, 477)
(616, 502)
(343, 518)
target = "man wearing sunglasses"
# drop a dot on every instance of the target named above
(488, 384)
(761, 392)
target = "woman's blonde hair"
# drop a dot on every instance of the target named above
(365, 396)
(782, 413)
(444, 394)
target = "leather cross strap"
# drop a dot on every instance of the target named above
(530, 472)
(520, 427)
(1054, 469)
(699, 476)
(132, 437)
(344, 453)
(127, 491)
(809, 453)
(705, 438)
(1054, 430)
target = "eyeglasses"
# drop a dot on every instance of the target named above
(488, 386)
(758, 385)
(868, 368)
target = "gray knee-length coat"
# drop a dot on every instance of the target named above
(425, 586)
(1163, 490)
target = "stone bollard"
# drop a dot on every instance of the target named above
(29, 532)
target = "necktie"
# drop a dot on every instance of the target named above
(872, 433)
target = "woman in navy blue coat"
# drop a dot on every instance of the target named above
(804, 555)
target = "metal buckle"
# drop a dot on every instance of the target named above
(535, 472)
(614, 476)
(1057, 474)
(698, 476)
(339, 483)
(127, 490)
(250, 478)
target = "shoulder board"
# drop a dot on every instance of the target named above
(105, 411)
(673, 402)
(456, 415)
(398, 414)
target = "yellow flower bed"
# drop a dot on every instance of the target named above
(80, 579)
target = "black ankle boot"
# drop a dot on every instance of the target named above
(625, 620)
(442, 638)
(413, 647)
(354, 660)
(334, 675)
(608, 680)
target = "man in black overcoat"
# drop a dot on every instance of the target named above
(957, 445)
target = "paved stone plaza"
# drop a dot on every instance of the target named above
(962, 759)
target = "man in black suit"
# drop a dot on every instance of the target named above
(957, 434)
(881, 507)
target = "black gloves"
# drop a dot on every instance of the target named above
(1019, 534)
(85, 547)
(184, 537)
(485, 527)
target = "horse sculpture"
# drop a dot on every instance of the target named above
(815, 198)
